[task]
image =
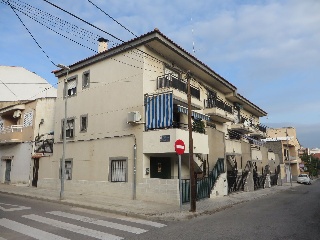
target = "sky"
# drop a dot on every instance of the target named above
(268, 49)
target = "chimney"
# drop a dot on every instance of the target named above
(103, 45)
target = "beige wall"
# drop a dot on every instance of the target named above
(246, 153)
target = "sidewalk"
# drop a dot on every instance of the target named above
(142, 209)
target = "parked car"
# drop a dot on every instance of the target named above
(304, 178)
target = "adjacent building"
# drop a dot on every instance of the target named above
(26, 124)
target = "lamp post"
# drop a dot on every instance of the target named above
(191, 163)
(65, 94)
(288, 155)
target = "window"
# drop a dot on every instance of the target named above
(86, 79)
(118, 170)
(83, 123)
(68, 169)
(69, 128)
(71, 86)
(27, 119)
(1, 125)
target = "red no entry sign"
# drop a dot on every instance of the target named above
(179, 147)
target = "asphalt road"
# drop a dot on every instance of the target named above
(291, 214)
(22, 218)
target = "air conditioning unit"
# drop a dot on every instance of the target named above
(16, 114)
(134, 117)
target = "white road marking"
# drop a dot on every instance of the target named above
(73, 228)
(11, 207)
(141, 221)
(99, 222)
(29, 231)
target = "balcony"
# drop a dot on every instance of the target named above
(11, 134)
(256, 154)
(162, 141)
(180, 89)
(233, 147)
(218, 110)
(292, 159)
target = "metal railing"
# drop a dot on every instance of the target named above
(10, 129)
(274, 179)
(203, 185)
(237, 182)
(216, 102)
(169, 80)
(259, 181)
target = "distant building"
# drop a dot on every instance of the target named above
(284, 142)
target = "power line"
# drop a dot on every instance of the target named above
(30, 33)
(49, 21)
(5, 84)
(112, 18)
(90, 24)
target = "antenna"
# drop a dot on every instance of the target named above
(193, 49)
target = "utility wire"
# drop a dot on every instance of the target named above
(49, 21)
(9, 89)
(90, 24)
(112, 18)
(31, 34)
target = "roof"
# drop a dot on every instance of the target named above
(18, 83)
(316, 155)
(146, 39)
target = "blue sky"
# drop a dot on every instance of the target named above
(270, 50)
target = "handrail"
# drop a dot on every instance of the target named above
(169, 80)
(12, 128)
(204, 185)
(219, 103)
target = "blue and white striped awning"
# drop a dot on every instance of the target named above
(159, 110)
(194, 114)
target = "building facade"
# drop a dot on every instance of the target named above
(26, 124)
(127, 106)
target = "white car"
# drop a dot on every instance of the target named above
(304, 178)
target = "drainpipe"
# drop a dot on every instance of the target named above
(134, 190)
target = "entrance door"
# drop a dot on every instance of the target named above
(35, 172)
(8, 170)
(288, 173)
(160, 167)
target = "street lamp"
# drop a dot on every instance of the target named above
(65, 93)
(288, 155)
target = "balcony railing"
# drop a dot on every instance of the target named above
(255, 126)
(169, 80)
(12, 128)
(216, 102)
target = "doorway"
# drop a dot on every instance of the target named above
(8, 171)
(35, 172)
(160, 167)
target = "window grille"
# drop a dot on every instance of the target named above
(118, 171)
(68, 170)
(27, 119)
(1, 125)
(69, 128)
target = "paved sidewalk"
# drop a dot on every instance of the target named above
(137, 208)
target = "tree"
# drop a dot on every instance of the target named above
(198, 126)
(312, 163)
